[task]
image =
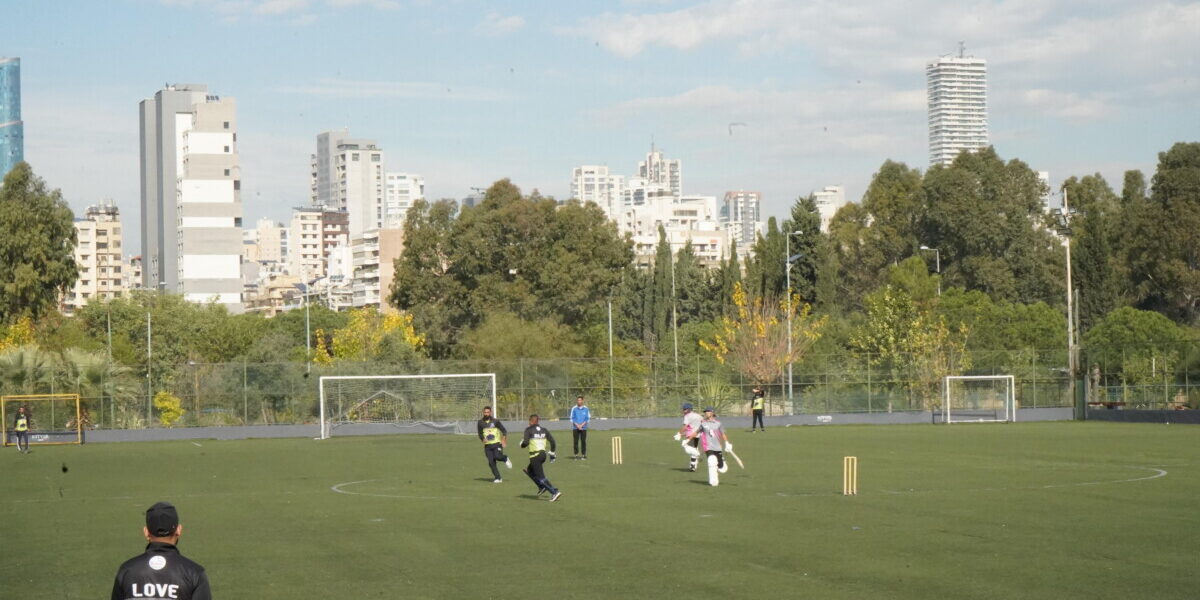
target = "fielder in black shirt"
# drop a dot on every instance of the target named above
(541, 444)
(161, 572)
(494, 437)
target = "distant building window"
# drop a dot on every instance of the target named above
(227, 172)
(354, 157)
(237, 184)
(374, 158)
(226, 124)
(226, 148)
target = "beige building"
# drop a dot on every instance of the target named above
(98, 257)
(374, 256)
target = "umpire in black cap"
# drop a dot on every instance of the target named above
(161, 572)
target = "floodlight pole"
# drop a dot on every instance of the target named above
(611, 392)
(1071, 360)
(787, 273)
(937, 261)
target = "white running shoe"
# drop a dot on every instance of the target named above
(556, 496)
(497, 481)
(508, 462)
(724, 468)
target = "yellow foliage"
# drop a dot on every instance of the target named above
(18, 334)
(755, 342)
(322, 355)
(170, 408)
(366, 330)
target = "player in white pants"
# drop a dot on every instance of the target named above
(691, 424)
(713, 442)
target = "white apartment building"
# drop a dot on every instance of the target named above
(957, 91)
(829, 200)
(98, 258)
(347, 174)
(400, 191)
(690, 220)
(660, 172)
(131, 274)
(191, 195)
(742, 215)
(305, 257)
(594, 183)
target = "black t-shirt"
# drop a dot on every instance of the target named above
(490, 437)
(161, 573)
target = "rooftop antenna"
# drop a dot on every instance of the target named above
(962, 49)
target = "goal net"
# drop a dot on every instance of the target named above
(979, 399)
(432, 402)
(52, 418)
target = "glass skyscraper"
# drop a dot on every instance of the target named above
(12, 130)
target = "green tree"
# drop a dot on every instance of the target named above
(764, 266)
(1094, 265)
(805, 245)
(1138, 347)
(986, 217)
(1165, 255)
(37, 243)
(860, 261)
(424, 285)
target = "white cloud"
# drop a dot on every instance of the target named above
(377, 4)
(280, 7)
(495, 24)
(349, 88)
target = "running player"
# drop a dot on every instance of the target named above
(713, 442)
(495, 438)
(536, 438)
(691, 423)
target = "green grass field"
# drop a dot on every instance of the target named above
(1039, 510)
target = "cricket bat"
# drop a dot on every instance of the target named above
(737, 458)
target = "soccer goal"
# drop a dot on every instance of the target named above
(979, 399)
(53, 418)
(437, 402)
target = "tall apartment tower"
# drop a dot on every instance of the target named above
(347, 174)
(12, 129)
(191, 195)
(742, 216)
(957, 89)
(661, 172)
(98, 256)
(829, 200)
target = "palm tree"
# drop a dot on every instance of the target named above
(26, 370)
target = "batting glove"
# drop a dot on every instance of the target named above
(677, 436)
(553, 457)
(728, 447)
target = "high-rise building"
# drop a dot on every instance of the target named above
(400, 191)
(691, 220)
(659, 172)
(742, 216)
(957, 89)
(829, 200)
(12, 129)
(594, 183)
(305, 256)
(191, 195)
(98, 257)
(347, 174)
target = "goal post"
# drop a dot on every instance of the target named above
(53, 418)
(439, 402)
(979, 399)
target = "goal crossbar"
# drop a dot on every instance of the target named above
(362, 404)
(962, 414)
(50, 426)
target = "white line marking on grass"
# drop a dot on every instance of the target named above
(339, 489)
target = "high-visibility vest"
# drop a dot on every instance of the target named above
(22, 423)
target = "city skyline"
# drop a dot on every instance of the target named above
(480, 93)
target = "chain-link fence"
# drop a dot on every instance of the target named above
(243, 393)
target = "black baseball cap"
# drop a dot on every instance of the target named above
(687, 406)
(708, 409)
(161, 519)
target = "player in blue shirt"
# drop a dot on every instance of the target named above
(580, 415)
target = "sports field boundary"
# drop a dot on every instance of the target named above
(241, 432)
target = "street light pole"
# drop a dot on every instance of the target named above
(937, 261)
(787, 271)
(1071, 366)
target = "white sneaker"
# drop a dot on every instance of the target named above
(556, 496)
(508, 462)
(497, 481)
(724, 468)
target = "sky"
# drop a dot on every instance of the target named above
(466, 93)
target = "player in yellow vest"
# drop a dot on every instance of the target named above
(495, 438)
(757, 403)
(21, 426)
(541, 444)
